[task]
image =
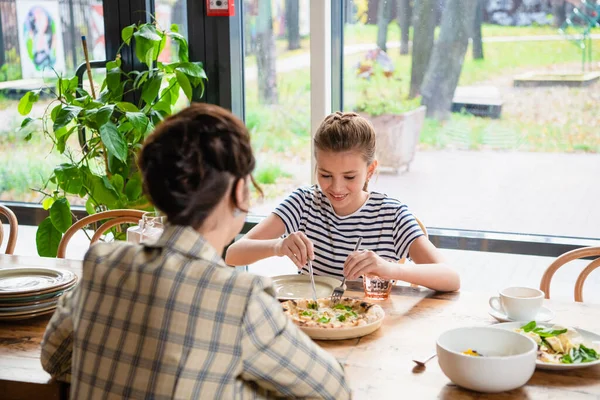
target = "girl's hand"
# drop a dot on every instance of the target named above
(365, 262)
(297, 247)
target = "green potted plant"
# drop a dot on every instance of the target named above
(397, 121)
(103, 171)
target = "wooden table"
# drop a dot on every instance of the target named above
(378, 366)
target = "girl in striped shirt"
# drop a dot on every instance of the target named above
(324, 221)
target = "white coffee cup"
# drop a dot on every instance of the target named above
(518, 303)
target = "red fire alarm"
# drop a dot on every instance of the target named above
(220, 8)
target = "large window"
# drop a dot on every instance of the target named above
(519, 150)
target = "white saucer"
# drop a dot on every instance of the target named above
(544, 315)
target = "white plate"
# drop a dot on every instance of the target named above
(588, 338)
(293, 287)
(26, 311)
(27, 316)
(21, 281)
(342, 333)
(544, 315)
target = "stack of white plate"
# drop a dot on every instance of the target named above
(32, 291)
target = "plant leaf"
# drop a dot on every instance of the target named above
(103, 115)
(114, 141)
(69, 178)
(73, 82)
(127, 107)
(140, 79)
(138, 120)
(26, 122)
(64, 132)
(193, 69)
(133, 189)
(47, 239)
(127, 33)
(101, 190)
(47, 203)
(60, 214)
(151, 88)
(116, 166)
(61, 141)
(27, 128)
(182, 51)
(117, 182)
(165, 102)
(113, 79)
(90, 206)
(148, 31)
(147, 44)
(175, 93)
(184, 82)
(65, 115)
(161, 45)
(55, 111)
(26, 103)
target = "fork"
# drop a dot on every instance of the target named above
(339, 291)
(312, 281)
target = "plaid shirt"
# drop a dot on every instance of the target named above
(172, 321)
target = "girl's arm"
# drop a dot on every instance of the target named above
(264, 240)
(431, 271)
(430, 268)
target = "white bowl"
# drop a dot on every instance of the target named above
(508, 358)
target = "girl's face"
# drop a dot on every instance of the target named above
(342, 176)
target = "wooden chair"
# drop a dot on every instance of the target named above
(14, 229)
(117, 217)
(565, 258)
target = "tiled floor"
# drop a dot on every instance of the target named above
(480, 271)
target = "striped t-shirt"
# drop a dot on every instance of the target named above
(385, 225)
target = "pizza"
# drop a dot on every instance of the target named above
(345, 314)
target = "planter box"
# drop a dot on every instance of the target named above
(397, 137)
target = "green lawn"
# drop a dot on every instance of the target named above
(360, 34)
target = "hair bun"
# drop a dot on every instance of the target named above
(191, 159)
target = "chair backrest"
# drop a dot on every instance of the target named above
(565, 258)
(14, 229)
(116, 217)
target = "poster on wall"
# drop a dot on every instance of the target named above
(40, 38)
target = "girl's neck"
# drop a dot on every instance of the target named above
(354, 206)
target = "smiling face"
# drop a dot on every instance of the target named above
(342, 177)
